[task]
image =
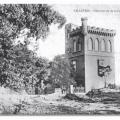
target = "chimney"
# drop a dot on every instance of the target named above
(84, 25)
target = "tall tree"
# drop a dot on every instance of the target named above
(14, 18)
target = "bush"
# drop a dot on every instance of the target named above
(94, 92)
(76, 98)
(49, 89)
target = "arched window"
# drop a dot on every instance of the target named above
(109, 46)
(103, 45)
(74, 46)
(79, 46)
(96, 45)
(90, 44)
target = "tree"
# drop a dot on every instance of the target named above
(26, 70)
(61, 72)
(17, 62)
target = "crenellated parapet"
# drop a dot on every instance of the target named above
(101, 31)
(95, 30)
(85, 29)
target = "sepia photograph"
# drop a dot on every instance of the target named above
(59, 59)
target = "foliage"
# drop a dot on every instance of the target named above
(20, 67)
(36, 17)
(25, 69)
(61, 71)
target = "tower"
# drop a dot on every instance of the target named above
(91, 51)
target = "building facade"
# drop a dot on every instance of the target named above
(91, 52)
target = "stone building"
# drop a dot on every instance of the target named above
(91, 52)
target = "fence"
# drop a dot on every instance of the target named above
(79, 89)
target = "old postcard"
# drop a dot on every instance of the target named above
(59, 59)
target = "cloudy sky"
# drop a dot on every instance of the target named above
(55, 43)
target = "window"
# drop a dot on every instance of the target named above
(109, 46)
(90, 44)
(96, 45)
(103, 45)
(68, 36)
(79, 46)
(74, 46)
(74, 64)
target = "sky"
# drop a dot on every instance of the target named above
(55, 42)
